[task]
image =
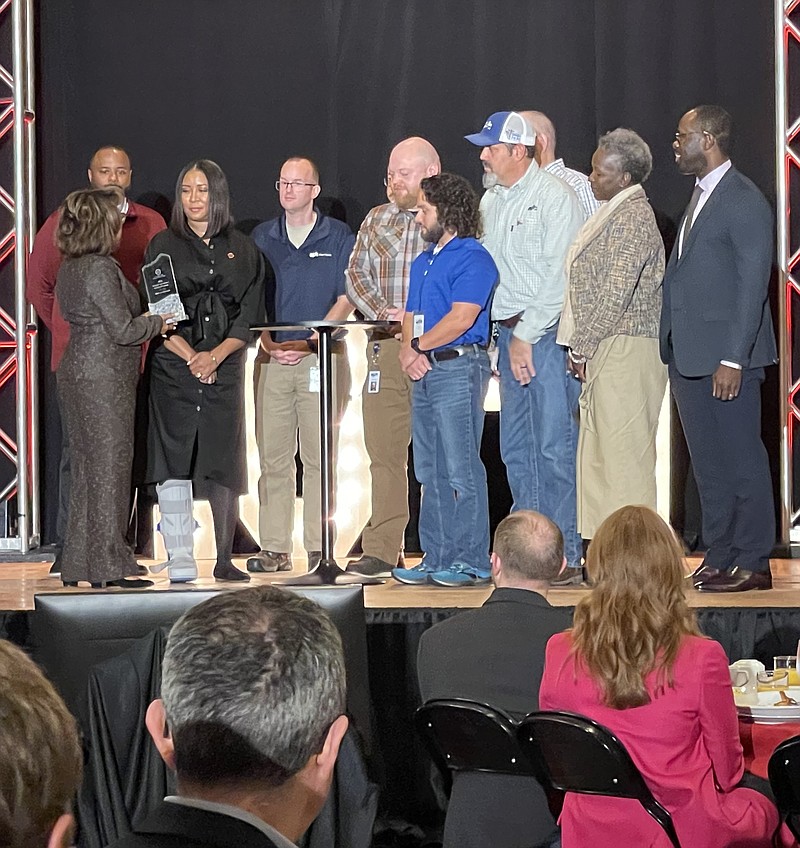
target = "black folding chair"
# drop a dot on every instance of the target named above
(784, 778)
(468, 736)
(576, 754)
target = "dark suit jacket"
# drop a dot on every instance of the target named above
(175, 826)
(715, 296)
(494, 654)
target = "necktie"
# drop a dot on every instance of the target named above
(690, 210)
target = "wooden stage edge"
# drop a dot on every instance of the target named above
(19, 582)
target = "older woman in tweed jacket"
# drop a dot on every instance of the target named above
(610, 323)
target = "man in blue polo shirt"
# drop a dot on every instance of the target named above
(445, 334)
(308, 252)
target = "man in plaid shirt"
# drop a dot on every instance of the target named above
(377, 284)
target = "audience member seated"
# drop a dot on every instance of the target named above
(250, 718)
(495, 655)
(636, 662)
(40, 757)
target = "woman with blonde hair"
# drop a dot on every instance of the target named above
(636, 662)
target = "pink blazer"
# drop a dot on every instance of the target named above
(686, 744)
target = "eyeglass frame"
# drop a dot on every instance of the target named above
(295, 184)
(679, 135)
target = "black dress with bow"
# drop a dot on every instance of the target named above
(197, 431)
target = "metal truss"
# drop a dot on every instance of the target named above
(19, 470)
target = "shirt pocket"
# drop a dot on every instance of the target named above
(387, 244)
(526, 235)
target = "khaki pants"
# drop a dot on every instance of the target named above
(285, 408)
(387, 433)
(619, 407)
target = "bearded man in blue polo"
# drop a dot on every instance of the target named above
(445, 336)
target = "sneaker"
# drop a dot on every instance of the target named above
(314, 558)
(416, 576)
(462, 574)
(267, 562)
(572, 578)
(370, 566)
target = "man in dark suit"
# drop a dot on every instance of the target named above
(250, 718)
(495, 655)
(717, 338)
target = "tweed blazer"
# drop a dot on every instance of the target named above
(615, 281)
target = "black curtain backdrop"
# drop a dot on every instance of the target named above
(250, 82)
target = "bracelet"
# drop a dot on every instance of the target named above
(213, 359)
(576, 358)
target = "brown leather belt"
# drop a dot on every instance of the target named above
(510, 323)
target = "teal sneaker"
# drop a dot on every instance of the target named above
(462, 574)
(416, 576)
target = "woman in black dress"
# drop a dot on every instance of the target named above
(97, 387)
(196, 434)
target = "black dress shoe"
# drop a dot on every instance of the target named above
(125, 583)
(228, 571)
(738, 580)
(702, 574)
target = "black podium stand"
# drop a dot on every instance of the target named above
(327, 573)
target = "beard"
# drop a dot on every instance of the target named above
(489, 179)
(433, 234)
(405, 200)
(691, 163)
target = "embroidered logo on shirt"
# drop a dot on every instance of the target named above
(315, 254)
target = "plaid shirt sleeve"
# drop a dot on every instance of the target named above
(363, 289)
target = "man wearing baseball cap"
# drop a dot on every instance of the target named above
(530, 217)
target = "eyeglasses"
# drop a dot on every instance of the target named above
(295, 185)
(680, 136)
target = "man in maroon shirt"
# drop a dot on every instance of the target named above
(110, 166)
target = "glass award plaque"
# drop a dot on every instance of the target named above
(161, 288)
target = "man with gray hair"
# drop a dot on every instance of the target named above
(545, 156)
(251, 717)
(495, 655)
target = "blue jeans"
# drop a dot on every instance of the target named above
(447, 426)
(539, 437)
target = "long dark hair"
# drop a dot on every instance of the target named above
(219, 200)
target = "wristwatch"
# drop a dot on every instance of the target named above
(415, 345)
